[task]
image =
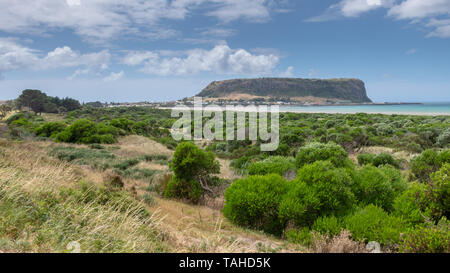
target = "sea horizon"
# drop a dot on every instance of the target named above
(421, 108)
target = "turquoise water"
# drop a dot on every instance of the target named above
(411, 109)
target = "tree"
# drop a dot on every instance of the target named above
(191, 162)
(70, 104)
(192, 168)
(33, 99)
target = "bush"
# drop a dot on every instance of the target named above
(412, 204)
(319, 190)
(84, 131)
(366, 159)
(444, 139)
(429, 162)
(189, 162)
(377, 160)
(254, 202)
(302, 236)
(189, 190)
(276, 164)
(192, 168)
(372, 223)
(330, 225)
(17, 117)
(427, 238)
(320, 152)
(441, 192)
(378, 186)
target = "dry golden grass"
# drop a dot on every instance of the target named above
(201, 229)
(131, 146)
(52, 117)
(27, 174)
(338, 244)
(175, 226)
(401, 155)
(29, 164)
(226, 172)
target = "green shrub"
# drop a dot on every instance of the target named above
(441, 192)
(254, 202)
(320, 152)
(377, 160)
(444, 139)
(84, 131)
(378, 186)
(412, 204)
(122, 123)
(190, 162)
(50, 129)
(365, 159)
(189, 190)
(429, 162)
(102, 139)
(17, 116)
(319, 190)
(301, 236)
(372, 223)
(275, 164)
(427, 238)
(192, 168)
(330, 225)
(20, 122)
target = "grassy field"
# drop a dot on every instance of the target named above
(107, 194)
(46, 203)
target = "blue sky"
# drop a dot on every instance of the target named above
(136, 50)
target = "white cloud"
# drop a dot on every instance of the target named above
(230, 10)
(441, 28)
(425, 13)
(79, 72)
(114, 76)
(100, 20)
(414, 9)
(289, 72)
(218, 32)
(418, 11)
(14, 56)
(351, 8)
(73, 2)
(220, 60)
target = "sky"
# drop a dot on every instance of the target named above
(160, 50)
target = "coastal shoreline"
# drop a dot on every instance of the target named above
(306, 111)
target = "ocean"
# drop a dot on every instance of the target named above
(434, 109)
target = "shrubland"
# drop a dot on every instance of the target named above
(401, 203)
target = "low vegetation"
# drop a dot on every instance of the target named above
(318, 192)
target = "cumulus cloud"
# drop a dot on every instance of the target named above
(114, 76)
(220, 60)
(100, 20)
(14, 56)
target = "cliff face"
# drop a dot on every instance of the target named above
(335, 89)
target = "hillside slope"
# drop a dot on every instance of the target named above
(352, 90)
